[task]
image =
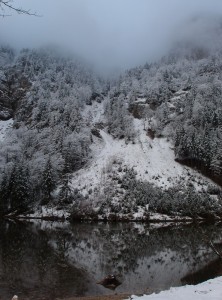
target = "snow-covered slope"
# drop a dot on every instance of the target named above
(152, 159)
(127, 179)
(104, 188)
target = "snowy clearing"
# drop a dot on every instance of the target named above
(209, 290)
(152, 159)
(4, 126)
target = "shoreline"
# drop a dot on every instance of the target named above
(164, 219)
(99, 297)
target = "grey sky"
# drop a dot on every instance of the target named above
(110, 33)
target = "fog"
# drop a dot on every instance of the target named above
(111, 34)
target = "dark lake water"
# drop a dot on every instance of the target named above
(55, 260)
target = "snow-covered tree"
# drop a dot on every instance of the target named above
(48, 182)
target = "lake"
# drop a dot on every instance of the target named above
(48, 260)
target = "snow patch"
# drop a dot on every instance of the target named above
(94, 113)
(4, 127)
(45, 212)
(141, 101)
(209, 290)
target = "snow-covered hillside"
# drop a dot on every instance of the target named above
(99, 187)
(152, 159)
(87, 146)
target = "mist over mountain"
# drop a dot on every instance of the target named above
(131, 147)
(112, 35)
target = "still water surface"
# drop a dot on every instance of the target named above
(46, 260)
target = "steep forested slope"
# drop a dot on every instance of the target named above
(181, 97)
(73, 141)
(45, 95)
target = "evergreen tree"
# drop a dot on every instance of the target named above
(65, 194)
(4, 195)
(15, 191)
(48, 183)
(21, 189)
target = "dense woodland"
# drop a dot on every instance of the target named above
(46, 93)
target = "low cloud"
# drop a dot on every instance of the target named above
(112, 34)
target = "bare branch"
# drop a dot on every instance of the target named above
(211, 245)
(19, 10)
(214, 249)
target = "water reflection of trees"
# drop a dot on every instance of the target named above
(28, 265)
(68, 260)
(120, 246)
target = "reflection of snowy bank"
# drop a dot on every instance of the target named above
(70, 259)
(144, 258)
(209, 290)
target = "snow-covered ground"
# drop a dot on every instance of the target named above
(152, 159)
(45, 212)
(209, 290)
(4, 126)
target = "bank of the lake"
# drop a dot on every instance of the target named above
(209, 290)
